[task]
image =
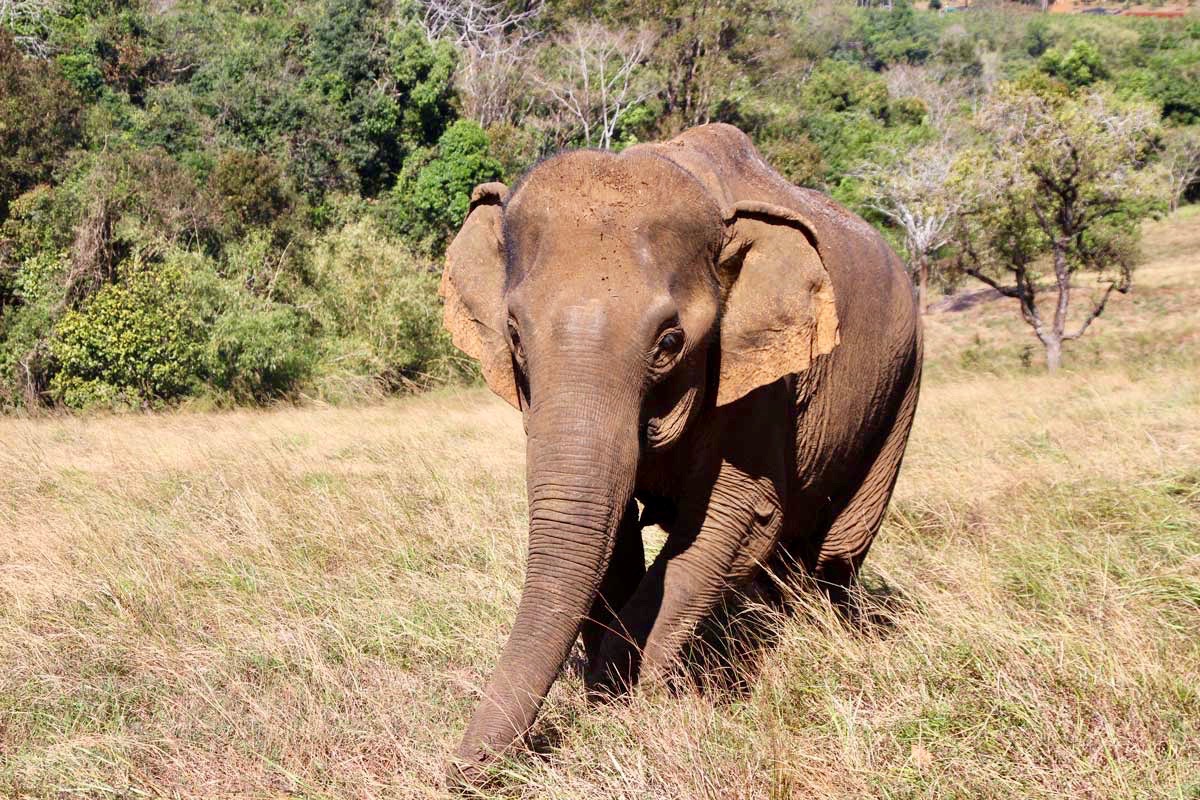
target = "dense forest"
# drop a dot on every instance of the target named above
(234, 202)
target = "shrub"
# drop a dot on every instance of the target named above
(137, 341)
(840, 86)
(428, 206)
(258, 353)
(797, 159)
(248, 189)
(1080, 65)
(516, 148)
(24, 325)
(378, 312)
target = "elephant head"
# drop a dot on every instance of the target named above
(614, 301)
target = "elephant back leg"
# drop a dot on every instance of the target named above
(835, 557)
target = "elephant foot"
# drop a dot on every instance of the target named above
(466, 775)
(613, 675)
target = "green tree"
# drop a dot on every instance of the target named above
(1056, 187)
(39, 121)
(850, 116)
(1079, 65)
(428, 204)
(896, 34)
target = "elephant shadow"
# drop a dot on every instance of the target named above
(725, 657)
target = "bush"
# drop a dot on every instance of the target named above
(840, 86)
(379, 314)
(137, 341)
(1080, 65)
(248, 189)
(258, 353)
(428, 206)
(515, 148)
(798, 159)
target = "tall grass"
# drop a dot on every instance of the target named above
(305, 602)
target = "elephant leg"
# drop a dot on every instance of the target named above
(688, 578)
(626, 569)
(840, 552)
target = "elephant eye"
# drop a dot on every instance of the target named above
(670, 343)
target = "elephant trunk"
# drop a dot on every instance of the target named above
(582, 460)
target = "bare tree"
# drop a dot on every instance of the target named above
(496, 43)
(1181, 163)
(594, 75)
(467, 21)
(1058, 185)
(18, 14)
(913, 192)
(941, 92)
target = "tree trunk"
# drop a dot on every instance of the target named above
(923, 284)
(1053, 353)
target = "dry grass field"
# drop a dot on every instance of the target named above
(303, 602)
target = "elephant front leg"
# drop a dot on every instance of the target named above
(701, 561)
(625, 571)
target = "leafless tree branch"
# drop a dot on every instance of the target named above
(1181, 162)
(14, 13)
(598, 79)
(496, 43)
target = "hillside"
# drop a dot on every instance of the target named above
(224, 204)
(302, 602)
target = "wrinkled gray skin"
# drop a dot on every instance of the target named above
(679, 325)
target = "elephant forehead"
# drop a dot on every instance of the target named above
(611, 195)
(566, 276)
(576, 256)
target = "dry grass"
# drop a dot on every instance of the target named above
(301, 602)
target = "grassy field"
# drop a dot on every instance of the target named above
(303, 602)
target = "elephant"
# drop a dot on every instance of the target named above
(692, 342)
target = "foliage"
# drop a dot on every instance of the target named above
(896, 35)
(39, 121)
(133, 342)
(379, 312)
(798, 159)
(258, 353)
(240, 144)
(851, 118)
(1057, 179)
(428, 206)
(1079, 65)
(249, 189)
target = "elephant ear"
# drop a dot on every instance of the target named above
(779, 311)
(473, 290)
